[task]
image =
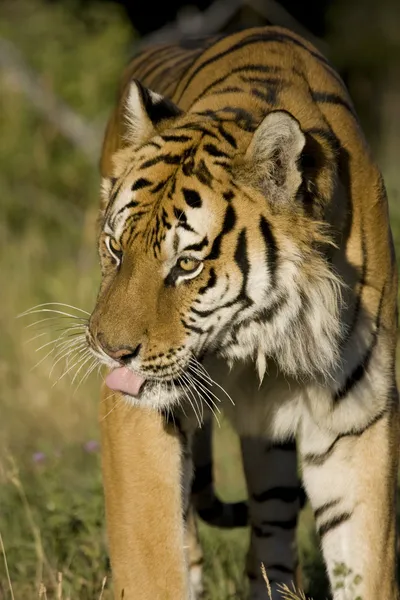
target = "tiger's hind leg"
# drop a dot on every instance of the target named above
(274, 502)
(205, 503)
(350, 480)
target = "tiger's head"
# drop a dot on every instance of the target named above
(206, 246)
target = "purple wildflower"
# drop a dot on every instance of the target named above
(38, 457)
(91, 446)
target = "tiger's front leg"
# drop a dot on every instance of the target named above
(141, 461)
(351, 482)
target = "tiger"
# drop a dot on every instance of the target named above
(247, 266)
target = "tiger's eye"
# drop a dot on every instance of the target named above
(188, 264)
(115, 247)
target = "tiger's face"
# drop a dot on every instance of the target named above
(203, 249)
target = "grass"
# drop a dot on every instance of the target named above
(52, 513)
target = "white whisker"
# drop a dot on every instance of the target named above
(81, 367)
(49, 319)
(190, 402)
(187, 389)
(50, 310)
(195, 379)
(65, 352)
(60, 341)
(210, 405)
(89, 370)
(35, 337)
(184, 377)
(210, 380)
(195, 362)
(34, 308)
(72, 366)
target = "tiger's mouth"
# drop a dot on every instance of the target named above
(133, 384)
(126, 381)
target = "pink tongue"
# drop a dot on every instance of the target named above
(123, 380)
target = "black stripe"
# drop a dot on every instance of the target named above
(269, 36)
(269, 96)
(224, 515)
(131, 204)
(240, 514)
(271, 247)
(318, 512)
(241, 258)
(227, 136)
(284, 493)
(241, 117)
(176, 138)
(242, 69)
(168, 159)
(224, 165)
(203, 174)
(145, 57)
(199, 246)
(260, 532)
(284, 524)
(174, 61)
(333, 523)
(227, 90)
(151, 66)
(328, 98)
(152, 144)
(358, 373)
(203, 477)
(266, 528)
(285, 446)
(192, 198)
(266, 81)
(281, 568)
(228, 225)
(212, 280)
(200, 128)
(207, 313)
(212, 150)
(159, 186)
(195, 329)
(228, 196)
(317, 460)
(362, 280)
(140, 183)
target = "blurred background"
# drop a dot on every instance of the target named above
(59, 66)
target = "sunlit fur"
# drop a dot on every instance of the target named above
(247, 156)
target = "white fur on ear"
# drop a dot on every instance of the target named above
(138, 122)
(274, 150)
(144, 111)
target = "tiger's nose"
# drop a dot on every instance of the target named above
(123, 354)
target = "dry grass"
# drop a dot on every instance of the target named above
(287, 593)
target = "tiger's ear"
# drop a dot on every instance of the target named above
(144, 112)
(273, 155)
